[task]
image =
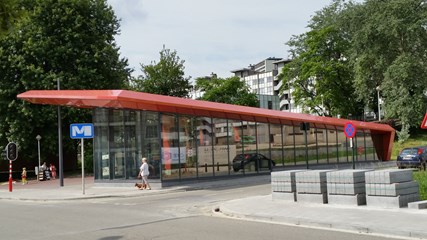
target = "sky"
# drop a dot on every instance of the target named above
(215, 36)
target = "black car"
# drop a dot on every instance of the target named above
(253, 161)
(412, 157)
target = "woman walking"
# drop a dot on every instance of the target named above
(144, 172)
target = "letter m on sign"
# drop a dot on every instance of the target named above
(81, 130)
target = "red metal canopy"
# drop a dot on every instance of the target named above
(382, 134)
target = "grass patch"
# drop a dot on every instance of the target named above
(421, 178)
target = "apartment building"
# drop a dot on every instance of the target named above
(262, 78)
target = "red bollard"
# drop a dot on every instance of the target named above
(10, 176)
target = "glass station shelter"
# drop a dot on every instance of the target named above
(185, 139)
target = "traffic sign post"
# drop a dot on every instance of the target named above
(82, 131)
(350, 132)
(83, 165)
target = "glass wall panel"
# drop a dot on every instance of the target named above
(321, 144)
(332, 145)
(316, 133)
(132, 162)
(249, 146)
(148, 133)
(300, 146)
(289, 145)
(205, 148)
(101, 156)
(264, 138)
(276, 145)
(360, 145)
(187, 143)
(221, 137)
(348, 150)
(343, 151)
(312, 146)
(170, 148)
(370, 151)
(235, 142)
(117, 144)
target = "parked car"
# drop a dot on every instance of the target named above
(253, 161)
(413, 157)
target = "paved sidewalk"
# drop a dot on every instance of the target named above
(401, 222)
(72, 190)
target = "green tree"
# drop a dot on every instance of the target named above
(9, 15)
(320, 72)
(69, 40)
(165, 77)
(230, 90)
(388, 50)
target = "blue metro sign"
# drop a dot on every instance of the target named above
(81, 130)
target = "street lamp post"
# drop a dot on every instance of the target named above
(323, 107)
(38, 137)
(379, 105)
(60, 155)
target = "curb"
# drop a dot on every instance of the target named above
(131, 194)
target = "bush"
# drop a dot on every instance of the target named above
(421, 178)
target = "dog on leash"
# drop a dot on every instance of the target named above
(141, 186)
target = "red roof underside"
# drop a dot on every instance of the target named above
(123, 99)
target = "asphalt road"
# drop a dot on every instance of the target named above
(172, 215)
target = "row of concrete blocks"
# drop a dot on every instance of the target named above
(344, 176)
(346, 187)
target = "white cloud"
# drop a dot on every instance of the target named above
(211, 36)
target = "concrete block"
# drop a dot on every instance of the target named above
(418, 205)
(283, 187)
(347, 176)
(312, 176)
(285, 176)
(321, 198)
(394, 189)
(303, 187)
(391, 202)
(389, 176)
(284, 196)
(346, 188)
(352, 200)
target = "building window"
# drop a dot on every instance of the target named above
(270, 105)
